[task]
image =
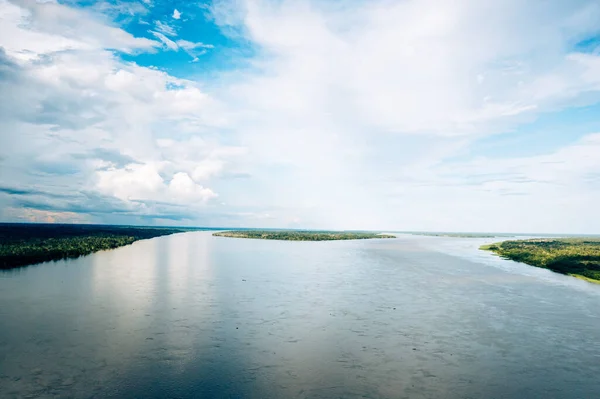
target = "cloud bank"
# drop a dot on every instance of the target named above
(358, 115)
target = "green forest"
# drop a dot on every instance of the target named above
(579, 257)
(26, 244)
(290, 235)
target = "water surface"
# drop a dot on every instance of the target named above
(196, 316)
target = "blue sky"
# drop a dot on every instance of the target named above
(386, 115)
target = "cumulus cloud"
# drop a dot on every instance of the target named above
(176, 14)
(144, 183)
(363, 114)
(353, 98)
(75, 118)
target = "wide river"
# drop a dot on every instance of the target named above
(196, 316)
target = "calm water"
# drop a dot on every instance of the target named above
(191, 315)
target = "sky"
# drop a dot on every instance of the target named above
(402, 115)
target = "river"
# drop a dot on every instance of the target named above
(196, 316)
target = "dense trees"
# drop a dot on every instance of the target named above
(574, 256)
(291, 235)
(25, 244)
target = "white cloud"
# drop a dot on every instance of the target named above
(176, 14)
(548, 192)
(96, 111)
(350, 115)
(194, 49)
(206, 169)
(182, 187)
(144, 183)
(125, 12)
(187, 45)
(42, 28)
(414, 66)
(348, 95)
(166, 41)
(135, 182)
(165, 29)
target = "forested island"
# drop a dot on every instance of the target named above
(290, 235)
(578, 257)
(24, 244)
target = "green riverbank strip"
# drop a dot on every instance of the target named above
(577, 257)
(27, 244)
(301, 235)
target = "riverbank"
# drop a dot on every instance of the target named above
(577, 257)
(23, 244)
(301, 235)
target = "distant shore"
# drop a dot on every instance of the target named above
(460, 235)
(301, 235)
(28, 244)
(577, 257)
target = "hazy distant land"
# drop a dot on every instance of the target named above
(459, 235)
(290, 235)
(578, 257)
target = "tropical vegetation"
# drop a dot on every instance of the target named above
(579, 257)
(28, 243)
(294, 235)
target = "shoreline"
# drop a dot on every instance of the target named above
(584, 278)
(286, 235)
(27, 245)
(575, 257)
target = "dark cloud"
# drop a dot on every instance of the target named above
(79, 202)
(71, 164)
(66, 111)
(94, 204)
(16, 191)
(30, 191)
(8, 69)
(76, 205)
(108, 209)
(12, 104)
